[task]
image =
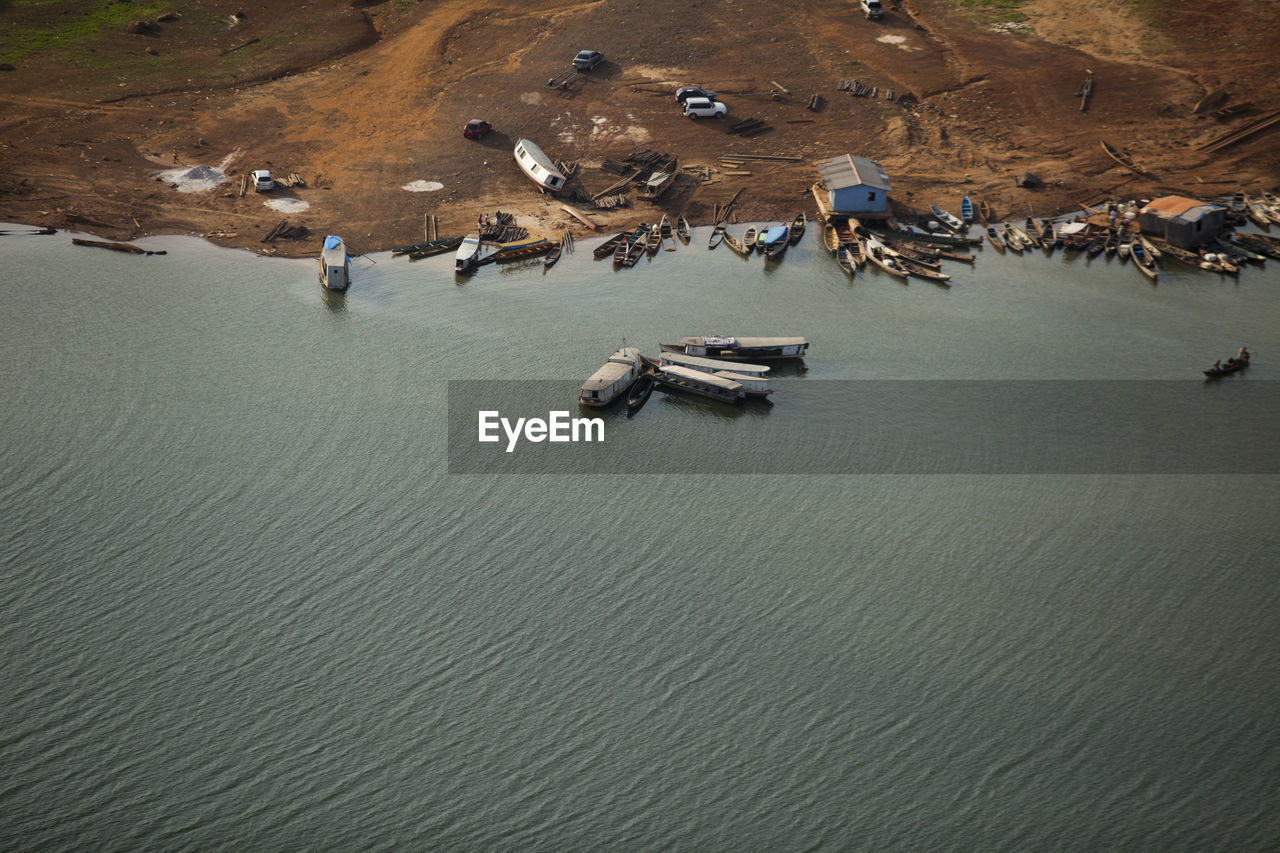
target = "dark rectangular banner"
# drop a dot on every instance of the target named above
(874, 427)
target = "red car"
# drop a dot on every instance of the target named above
(476, 128)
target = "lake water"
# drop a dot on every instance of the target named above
(245, 604)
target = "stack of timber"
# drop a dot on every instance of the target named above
(815, 103)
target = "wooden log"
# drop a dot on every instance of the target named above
(237, 47)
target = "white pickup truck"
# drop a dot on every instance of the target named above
(871, 8)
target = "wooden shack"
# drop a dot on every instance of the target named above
(855, 186)
(1182, 222)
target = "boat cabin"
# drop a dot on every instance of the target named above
(335, 270)
(538, 166)
(856, 185)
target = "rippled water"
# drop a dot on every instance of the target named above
(244, 606)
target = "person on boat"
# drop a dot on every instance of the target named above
(1217, 365)
(1243, 354)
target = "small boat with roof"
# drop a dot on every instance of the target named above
(613, 379)
(335, 268)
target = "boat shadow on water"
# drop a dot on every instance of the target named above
(334, 300)
(704, 407)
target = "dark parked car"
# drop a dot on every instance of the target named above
(684, 93)
(476, 128)
(587, 59)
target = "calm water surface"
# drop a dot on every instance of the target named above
(243, 605)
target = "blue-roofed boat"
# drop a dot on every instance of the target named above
(335, 269)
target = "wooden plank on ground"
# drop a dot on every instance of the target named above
(580, 216)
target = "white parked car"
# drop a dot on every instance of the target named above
(704, 108)
(872, 8)
(262, 180)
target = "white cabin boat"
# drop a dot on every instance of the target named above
(673, 377)
(753, 377)
(740, 349)
(335, 269)
(472, 252)
(614, 378)
(538, 166)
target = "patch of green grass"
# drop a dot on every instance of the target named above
(994, 11)
(72, 28)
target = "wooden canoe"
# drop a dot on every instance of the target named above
(749, 239)
(609, 246)
(683, 231)
(796, 231)
(830, 238)
(734, 243)
(966, 209)
(1124, 160)
(994, 237)
(717, 234)
(844, 257)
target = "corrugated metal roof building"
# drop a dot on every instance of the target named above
(1182, 222)
(855, 185)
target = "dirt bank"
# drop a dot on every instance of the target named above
(365, 103)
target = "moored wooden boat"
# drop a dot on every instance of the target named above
(830, 238)
(857, 250)
(683, 231)
(435, 247)
(717, 234)
(1254, 210)
(428, 247)
(749, 239)
(950, 220)
(609, 246)
(766, 238)
(1013, 232)
(520, 251)
(796, 230)
(639, 393)
(653, 242)
(984, 211)
(994, 236)
(1143, 260)
(844, 257)
(966, 209)
(920, 270)
(875, 254)
(775, 251)
(735, 244)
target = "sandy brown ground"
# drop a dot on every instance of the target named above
(362, 101)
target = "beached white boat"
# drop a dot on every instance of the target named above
(740, 349)
(754, 378)
(335, 269)
(673, 377)
(473, 252)
(540, 168)
(613, 378)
